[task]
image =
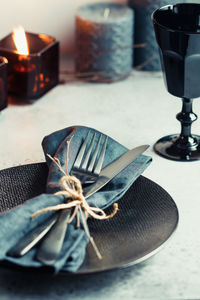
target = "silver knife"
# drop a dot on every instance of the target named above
(106, 175)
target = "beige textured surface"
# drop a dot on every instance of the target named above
(135, 111)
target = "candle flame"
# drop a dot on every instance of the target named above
(19, 38)
(106, 12)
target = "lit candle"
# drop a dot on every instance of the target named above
(33, 63)
(3, 83)
(104, 40)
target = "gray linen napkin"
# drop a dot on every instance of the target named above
(17, 222)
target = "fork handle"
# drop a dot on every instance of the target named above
(51, 245)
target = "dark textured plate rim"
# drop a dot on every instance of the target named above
(131, 263)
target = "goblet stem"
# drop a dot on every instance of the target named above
(186, 117)
(185, 146)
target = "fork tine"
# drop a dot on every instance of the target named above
(91, 165)
(79, 158)
(85, 162)
(101, 157)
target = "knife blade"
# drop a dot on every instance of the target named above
(106, 175)
(113, 169)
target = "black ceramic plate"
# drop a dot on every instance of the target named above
(147, 217)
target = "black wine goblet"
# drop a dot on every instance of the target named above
(177, 30)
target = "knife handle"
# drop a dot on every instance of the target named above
(51, 245)
(27, 242)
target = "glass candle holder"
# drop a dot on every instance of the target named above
(3, 83)
(32, 75)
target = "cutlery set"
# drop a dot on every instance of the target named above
(88, 169)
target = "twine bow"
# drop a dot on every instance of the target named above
(73, 192)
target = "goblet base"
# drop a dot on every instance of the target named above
(169, 148)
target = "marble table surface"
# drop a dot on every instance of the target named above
(134, 111)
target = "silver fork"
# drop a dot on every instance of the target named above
(86, 167)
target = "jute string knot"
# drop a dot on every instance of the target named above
(73, 192)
